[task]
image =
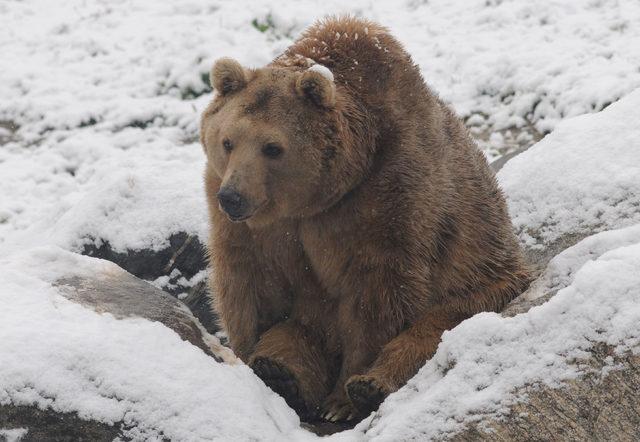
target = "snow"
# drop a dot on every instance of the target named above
(561, 269)
(14, 434)
(117, 192)
(106, 97)
(322, 70)
(69, 358)
(582, 177)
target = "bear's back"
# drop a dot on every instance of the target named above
(363, 57)
(425, 162)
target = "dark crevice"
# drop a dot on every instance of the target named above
(185, 256)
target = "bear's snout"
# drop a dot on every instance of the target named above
(233, 204)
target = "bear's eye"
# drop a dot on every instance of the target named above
(227, 145)
(272, 150)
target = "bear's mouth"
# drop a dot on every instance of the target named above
(240, 217)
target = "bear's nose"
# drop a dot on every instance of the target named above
(233, 203)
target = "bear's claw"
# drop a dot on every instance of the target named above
(278, 377)
(338, 412)
(365, 394)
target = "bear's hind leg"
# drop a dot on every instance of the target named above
(292, 363)
(400, 360)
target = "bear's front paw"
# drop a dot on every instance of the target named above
(280, 379)
(337, 408)
(366, 393)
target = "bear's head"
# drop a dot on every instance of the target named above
(280, 142)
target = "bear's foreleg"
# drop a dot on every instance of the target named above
(401, 359)
(362, 338)
(291, 361)
(247, 297)
(236, 304)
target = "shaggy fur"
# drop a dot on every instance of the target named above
(373, 226)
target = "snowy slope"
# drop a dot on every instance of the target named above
(589, 182)
(107, 97)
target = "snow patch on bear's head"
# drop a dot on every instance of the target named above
(322, 70)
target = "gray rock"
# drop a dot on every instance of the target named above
(591, 408)
(184, 254)
(7, 131)
(51, 426)
(123, 295)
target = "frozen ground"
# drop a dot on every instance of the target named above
(106, 96)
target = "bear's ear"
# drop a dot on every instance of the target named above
(317, 87)
(227, 75)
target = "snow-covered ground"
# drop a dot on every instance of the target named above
(585, 176)
(107, 129)
(14, 434)
(106, 97)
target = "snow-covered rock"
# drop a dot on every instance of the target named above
(179, 268)
(106, 362)
(582, 178)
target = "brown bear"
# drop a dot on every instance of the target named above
(353, 219)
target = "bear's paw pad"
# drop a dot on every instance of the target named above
(280, 379)
(365, 394)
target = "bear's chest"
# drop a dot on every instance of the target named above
(329, 253)
(306, 255)
(335, 252)
(280, 248)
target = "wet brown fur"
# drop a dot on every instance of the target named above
(379, 228)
